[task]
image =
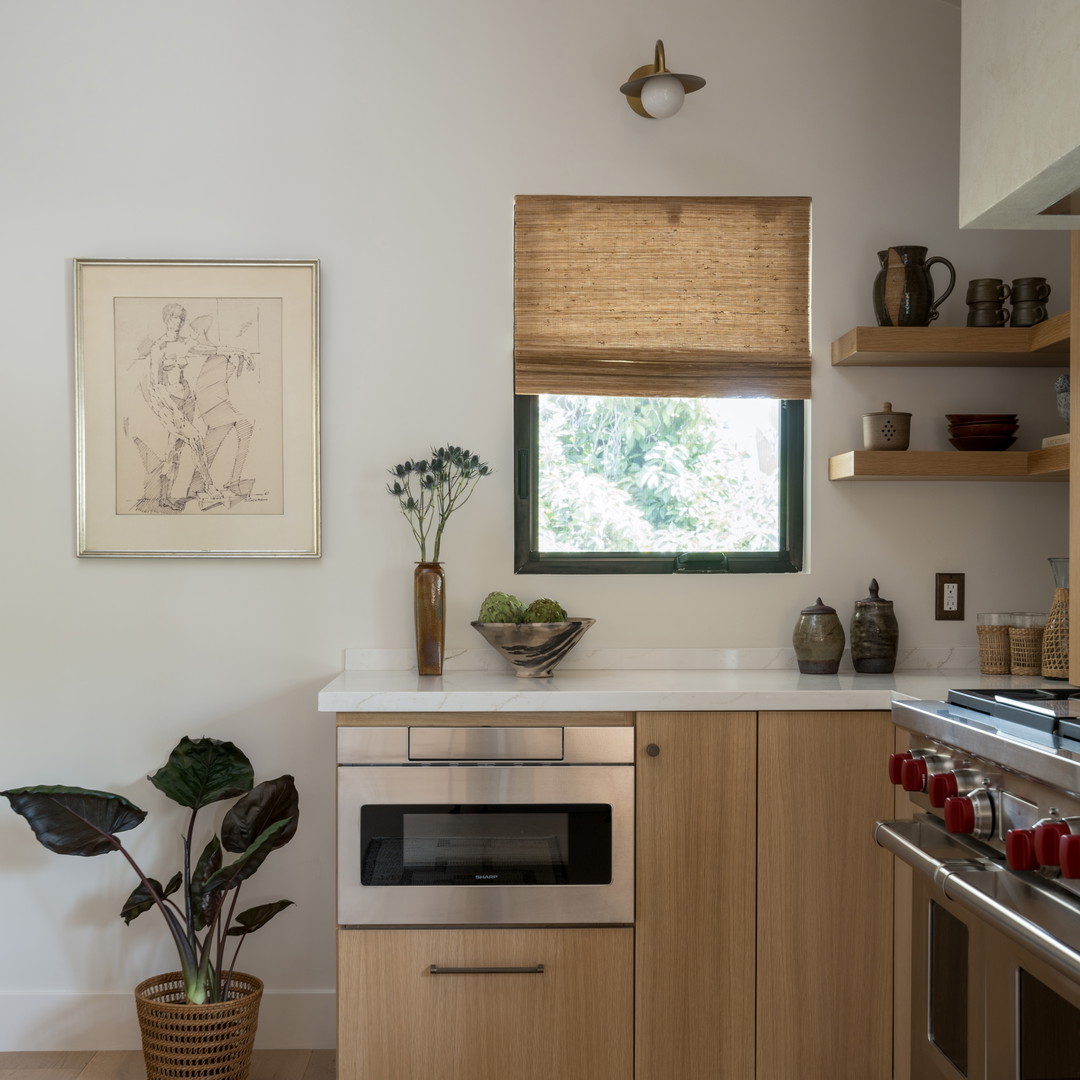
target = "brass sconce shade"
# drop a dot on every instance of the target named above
(656, 93)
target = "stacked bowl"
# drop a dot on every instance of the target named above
(982, 431)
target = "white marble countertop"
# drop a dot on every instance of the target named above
(617, 690)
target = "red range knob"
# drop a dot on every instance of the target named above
(896, 762)
(1048, 841)
(1069, 856)
(941, 786)
(913, 775)
(959, 814)
(1020, 849)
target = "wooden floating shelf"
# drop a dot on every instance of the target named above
(1051, 463)
(1044, 345)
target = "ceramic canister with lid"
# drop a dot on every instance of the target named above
(818, 639)
(874, 634)
(886, 430)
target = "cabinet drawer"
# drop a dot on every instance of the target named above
(400, 1020)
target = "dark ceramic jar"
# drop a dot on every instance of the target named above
(818, 639)
(874, 634)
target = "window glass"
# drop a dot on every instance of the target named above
(659, 485)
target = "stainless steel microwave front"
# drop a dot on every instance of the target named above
(510, 839)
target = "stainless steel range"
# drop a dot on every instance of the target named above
(995, 846)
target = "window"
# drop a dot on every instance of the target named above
(661, 362)
(658, 485)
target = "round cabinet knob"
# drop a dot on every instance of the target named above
(913, 775)
(896, 763)
(1020, 849)
(941, 786)
(652, 750)
(1048, 837)
(959, 814)
(1069, 856)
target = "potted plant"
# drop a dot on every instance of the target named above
(207, 1010)
(428, 492)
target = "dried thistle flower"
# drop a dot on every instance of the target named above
(428, 492)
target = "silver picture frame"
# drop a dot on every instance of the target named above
(197, 408)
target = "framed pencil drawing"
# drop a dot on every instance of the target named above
(197, 408)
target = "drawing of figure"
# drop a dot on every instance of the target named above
(215, 407)
(198, 398)
(172, 399)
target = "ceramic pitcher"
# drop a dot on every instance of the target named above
(903, 288)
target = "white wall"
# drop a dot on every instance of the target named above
(388, 141)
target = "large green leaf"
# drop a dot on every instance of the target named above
(203, 900)
(141, 900)
(203, 771)
(269, 802)
(256, 917)
(239, 870)
(74, 820)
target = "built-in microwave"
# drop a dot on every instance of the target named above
(482, 826)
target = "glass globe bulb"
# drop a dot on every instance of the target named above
(662, 96)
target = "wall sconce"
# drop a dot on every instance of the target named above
(656, 93)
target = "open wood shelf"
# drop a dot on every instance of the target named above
(1044, 345)
(1051, 463)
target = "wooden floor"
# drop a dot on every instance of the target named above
(128, 1065)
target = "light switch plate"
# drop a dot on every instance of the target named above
(949, 597)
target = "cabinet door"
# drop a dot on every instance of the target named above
(694, 1015)
(825, 899)
(398, 1021)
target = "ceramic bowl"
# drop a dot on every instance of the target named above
(983, 442)
(534, 649)
(982, 428)
(975, 418)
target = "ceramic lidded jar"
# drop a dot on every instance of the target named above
(886, 430)
(818, 639)
(874, 634)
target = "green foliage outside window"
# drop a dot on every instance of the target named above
(657, 474)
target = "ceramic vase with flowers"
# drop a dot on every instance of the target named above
(428, 491)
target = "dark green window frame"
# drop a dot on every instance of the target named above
(788, 559)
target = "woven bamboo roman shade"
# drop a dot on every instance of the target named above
(662, 297)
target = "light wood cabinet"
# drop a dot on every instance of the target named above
(825, 896)
(399, 1021)
(695, 896)
(1074, 493)
(762, 945)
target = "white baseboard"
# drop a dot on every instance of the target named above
(106, 1021)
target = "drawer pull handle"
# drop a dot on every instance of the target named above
(537, 969)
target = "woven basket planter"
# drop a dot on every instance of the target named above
(197, 1042)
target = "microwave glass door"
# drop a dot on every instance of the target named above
(486, 844)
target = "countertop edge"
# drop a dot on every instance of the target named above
(643, 691)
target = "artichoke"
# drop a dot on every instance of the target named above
(501, 607)
(544, 610)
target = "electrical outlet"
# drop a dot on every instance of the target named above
(949, 597)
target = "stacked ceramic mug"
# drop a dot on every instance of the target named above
(985, 300)
(1029, 296)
